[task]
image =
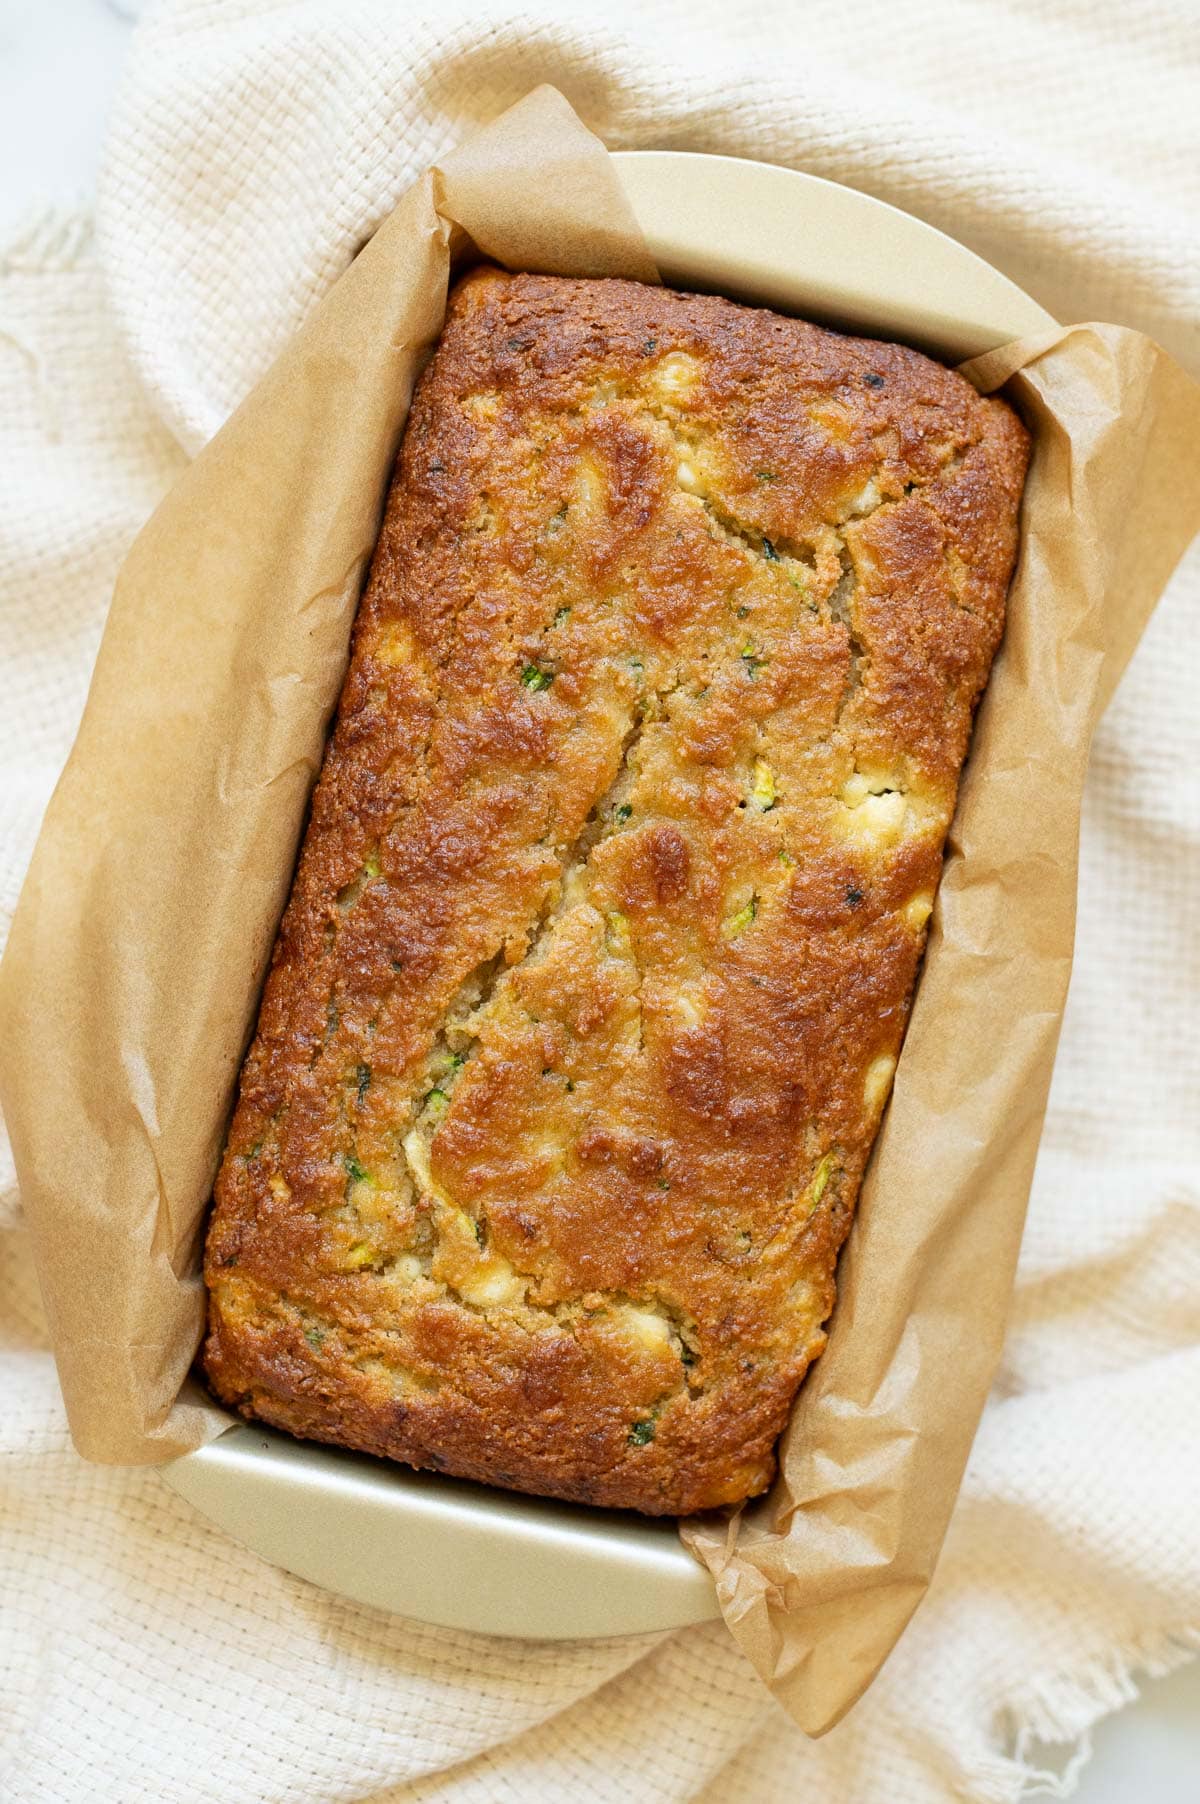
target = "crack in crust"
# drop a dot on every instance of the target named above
(574, 862)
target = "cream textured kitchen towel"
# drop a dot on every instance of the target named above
(142, 1655)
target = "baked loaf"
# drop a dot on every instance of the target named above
(586, 1003)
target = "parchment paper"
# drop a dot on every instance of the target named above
(130, 984)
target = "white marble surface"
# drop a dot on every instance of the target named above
(59, 63)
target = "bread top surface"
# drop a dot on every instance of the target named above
(588, 996)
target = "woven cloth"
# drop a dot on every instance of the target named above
(257, 142)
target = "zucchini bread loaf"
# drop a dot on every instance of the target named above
(587, 1000)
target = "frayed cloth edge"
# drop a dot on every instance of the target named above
(51, 239)
(1061, 1711)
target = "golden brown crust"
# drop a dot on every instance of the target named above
(586, 1002)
